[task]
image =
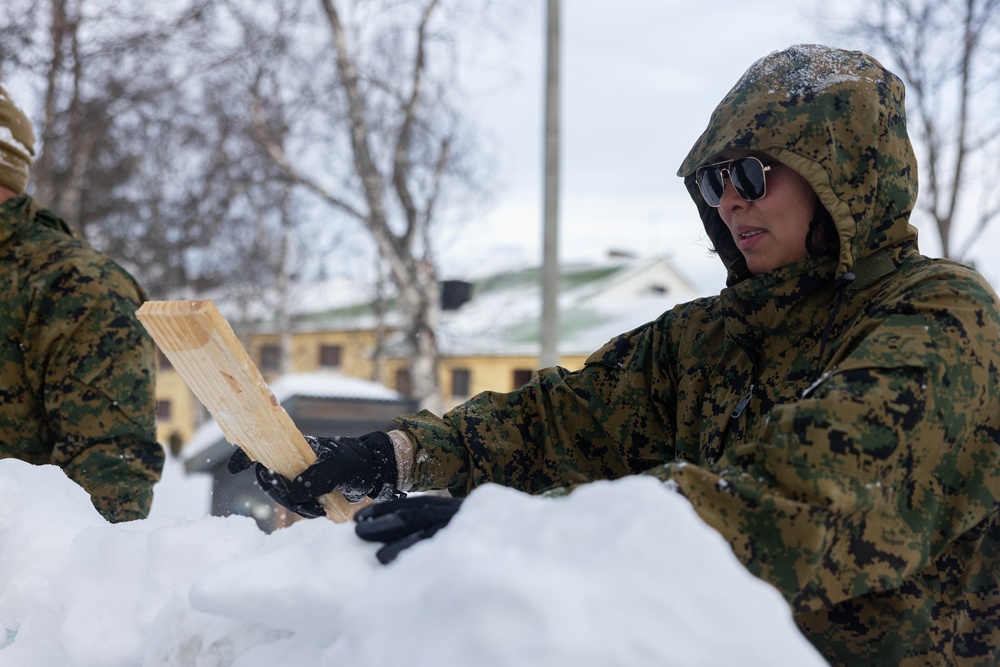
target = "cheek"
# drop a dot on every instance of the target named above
(797, 229)
(800, 192)
(798, 202)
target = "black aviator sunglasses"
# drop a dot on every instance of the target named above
(745, 173)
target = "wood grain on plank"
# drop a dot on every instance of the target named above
(203, 349)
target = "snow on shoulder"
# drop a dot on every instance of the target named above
(617, 573)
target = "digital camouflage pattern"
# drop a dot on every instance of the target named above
(843, 436)
(76, 367)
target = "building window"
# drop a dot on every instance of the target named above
(270, 358)
(461, 380)
(403, 383)
(329, 356)
(163, 410)
(522, 376)
(162, 361)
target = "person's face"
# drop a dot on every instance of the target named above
(770, 231)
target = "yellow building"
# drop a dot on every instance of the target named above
(489, 334)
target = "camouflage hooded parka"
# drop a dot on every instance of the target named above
(837, 420)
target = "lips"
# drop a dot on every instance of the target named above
(747, 237)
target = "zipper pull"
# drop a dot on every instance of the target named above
(742, 405)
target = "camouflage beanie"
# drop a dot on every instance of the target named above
(17, 145)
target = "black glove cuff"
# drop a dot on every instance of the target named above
(383, 458)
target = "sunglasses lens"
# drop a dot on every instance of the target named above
(711, 184)
(747, 175)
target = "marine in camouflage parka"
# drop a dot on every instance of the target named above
(836, 420)
(76, 366)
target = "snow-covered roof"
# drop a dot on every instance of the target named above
(597, 301)
(320, 384)
(326, 384)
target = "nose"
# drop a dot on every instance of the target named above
(730, 200)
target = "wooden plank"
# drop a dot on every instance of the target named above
(203, 349)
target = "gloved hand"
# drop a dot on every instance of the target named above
(404, 522)
(357, 467)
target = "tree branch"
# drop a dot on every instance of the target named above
(277, 153)
(401, 166)
(444, 155)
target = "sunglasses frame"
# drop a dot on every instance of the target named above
(724, 170)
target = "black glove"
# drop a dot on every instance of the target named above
(358, 467)
(404, 522)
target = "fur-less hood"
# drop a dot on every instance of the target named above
(837, 118)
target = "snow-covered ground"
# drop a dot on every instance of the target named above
(618, 573)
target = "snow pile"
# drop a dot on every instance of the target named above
(618, 573)
(180, 494)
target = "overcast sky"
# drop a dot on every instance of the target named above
(639, 81)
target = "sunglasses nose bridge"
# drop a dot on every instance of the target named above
(726, 178)
(724, 175)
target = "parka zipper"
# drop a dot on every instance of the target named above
(755, 363)
(742, 405)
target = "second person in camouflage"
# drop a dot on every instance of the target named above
(76, 366)
(834, 413)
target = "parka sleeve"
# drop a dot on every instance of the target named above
(99, 384)
(610, 419)
(878, 468)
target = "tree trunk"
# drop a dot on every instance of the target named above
(415, 278)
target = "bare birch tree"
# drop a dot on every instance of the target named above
(948, 53)
(382, 109)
